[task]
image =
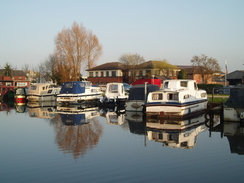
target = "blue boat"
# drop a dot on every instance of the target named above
(77, 92)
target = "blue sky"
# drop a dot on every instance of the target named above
(174, 30)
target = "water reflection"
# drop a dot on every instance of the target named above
(35, 110)
(136, 121)
(234, 132)
(77, 129)
(113, 114)
(21, 108)
(76, 114)
(176, 133)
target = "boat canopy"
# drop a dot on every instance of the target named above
(74, 87)
(236, 99)
(137, 92)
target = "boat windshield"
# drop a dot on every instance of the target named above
(20, 91)
(33, 87)
(113, 88)
(68, 85)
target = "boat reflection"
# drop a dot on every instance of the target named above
(6, 106)
(77, 129)
(41, 110)
(20, 107)
(77, 114)
(175, 133)
(114, 115)
(234, 132)
(136, 121)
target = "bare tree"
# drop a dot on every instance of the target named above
(74, 47)
(26, 68)
(94, 49)
(131, 61)
(205, 66)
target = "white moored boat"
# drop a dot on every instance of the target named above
(77, 92)
(177, 99)
(116, 94)
(42, 92)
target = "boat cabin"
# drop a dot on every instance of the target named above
(180, 84)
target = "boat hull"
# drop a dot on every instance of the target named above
(41, 98)
(135, 106)
(176, 110)
(77, 98)
(233, 114)
(20, 99)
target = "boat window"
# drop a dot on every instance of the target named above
(33, 87)
(82, 85)
(195, 85)
(173, 96)
(113, 88)
(20, 91)
(186, 96)
(49, 91)
(203, 95)
(157, 96)
(183, 83)
(68, 85)
(166, 84)
(184, 144)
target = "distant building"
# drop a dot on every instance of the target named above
(235, 77)
(117, 72)
(17, 79)
(105, 73)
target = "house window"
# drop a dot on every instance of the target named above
(21, 84)
(113, 73)
(107, 73)
(140, 72)
(101, 74)
(157, 72)
(90, 74)
(148, 73)
(96, 74)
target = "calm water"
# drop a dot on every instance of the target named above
(44, 144)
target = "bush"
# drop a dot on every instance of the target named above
(208, 87)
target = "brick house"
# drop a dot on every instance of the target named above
(106, 73)
(17, 79)
(115, 72)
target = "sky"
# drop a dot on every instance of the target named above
(175, 30)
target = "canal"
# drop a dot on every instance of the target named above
(42, 144)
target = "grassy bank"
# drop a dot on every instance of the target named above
(218, 98)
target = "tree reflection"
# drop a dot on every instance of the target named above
(78, 139)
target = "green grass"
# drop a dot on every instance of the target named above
(217, 98)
